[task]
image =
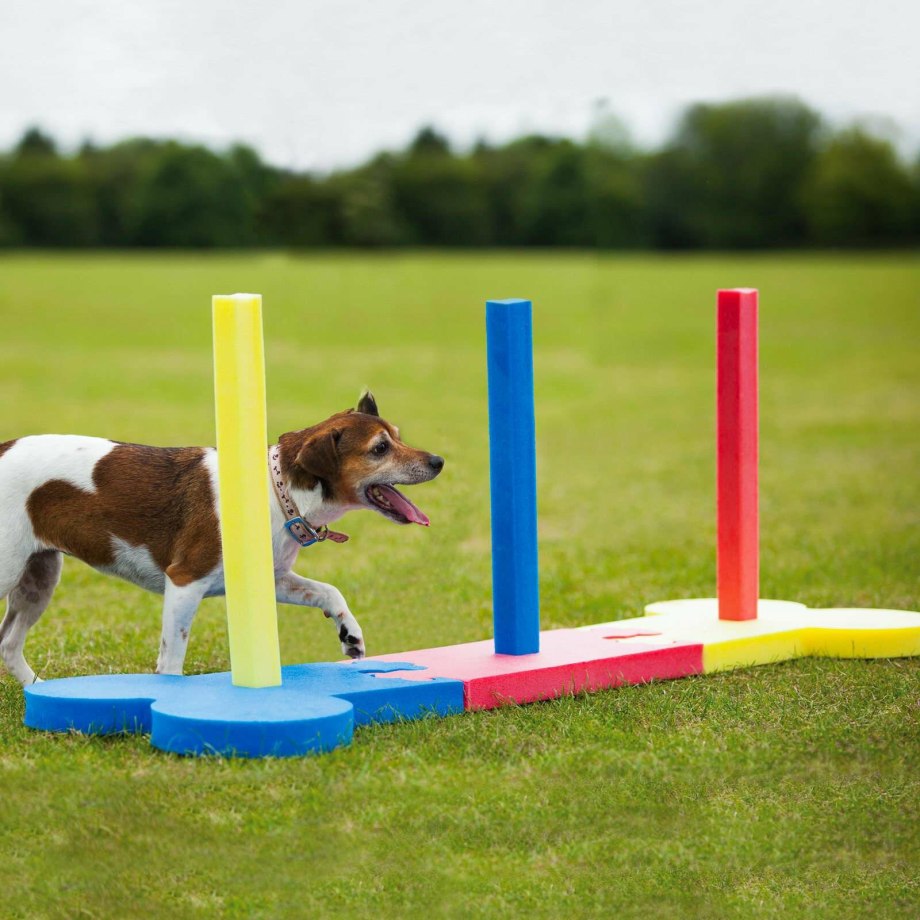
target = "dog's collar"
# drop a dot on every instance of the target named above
(299, 529)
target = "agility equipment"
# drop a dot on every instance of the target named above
(245, 525)
(316, 706)
(738, 556)
(676, 638)
(513, 464)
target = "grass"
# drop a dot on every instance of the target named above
(789, 790)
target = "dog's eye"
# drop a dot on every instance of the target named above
(381, 448)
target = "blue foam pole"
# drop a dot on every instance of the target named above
(512, 453)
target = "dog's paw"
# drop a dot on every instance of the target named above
(352, 641)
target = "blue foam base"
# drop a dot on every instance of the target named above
(315, 709)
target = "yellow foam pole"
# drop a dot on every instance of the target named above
(245, 527)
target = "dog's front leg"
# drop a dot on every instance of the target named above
(180, 604)
(290, 588)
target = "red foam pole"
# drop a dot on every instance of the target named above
(738, 565)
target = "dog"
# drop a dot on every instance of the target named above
(150, 515)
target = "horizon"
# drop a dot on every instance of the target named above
(882, 128)
(312, 91)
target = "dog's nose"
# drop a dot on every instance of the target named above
(436, 462)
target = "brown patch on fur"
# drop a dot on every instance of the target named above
(156, 497)
(6, 445)
(336, 454)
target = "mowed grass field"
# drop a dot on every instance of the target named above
(791, 790)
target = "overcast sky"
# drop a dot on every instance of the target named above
(315, 84)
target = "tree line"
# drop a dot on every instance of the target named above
(755, 173)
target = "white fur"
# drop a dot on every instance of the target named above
(34, 460)
(180, 604)
(135, 564)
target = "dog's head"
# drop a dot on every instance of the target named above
(358, 459)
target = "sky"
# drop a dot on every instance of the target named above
(319, 85)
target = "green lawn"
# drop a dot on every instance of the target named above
(791, 790)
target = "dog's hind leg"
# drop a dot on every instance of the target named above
(27, 601)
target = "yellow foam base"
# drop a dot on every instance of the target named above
(782, 631)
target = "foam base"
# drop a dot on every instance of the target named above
(315, 709)
(317, 706)
(675, 639)
(569, 661)
(782, 631)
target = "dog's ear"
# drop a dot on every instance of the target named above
(367, 404)
(319, 456)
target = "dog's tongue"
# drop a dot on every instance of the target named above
(402, 504)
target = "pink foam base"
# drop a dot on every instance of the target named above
(569, 661)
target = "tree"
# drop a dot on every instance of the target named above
(441, 199)
(429, 143)
(370, 215)
(558, 199)
(859, 193)
(734, 174)
(752, 173)
(507, 176)
(190, 196)
(9, 231)
(257, 182)
(914, 232)
(35, 142)
(615, 210)
(47, 199)
(115, 174)
(303, 211)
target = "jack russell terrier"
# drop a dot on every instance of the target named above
(150, 516)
